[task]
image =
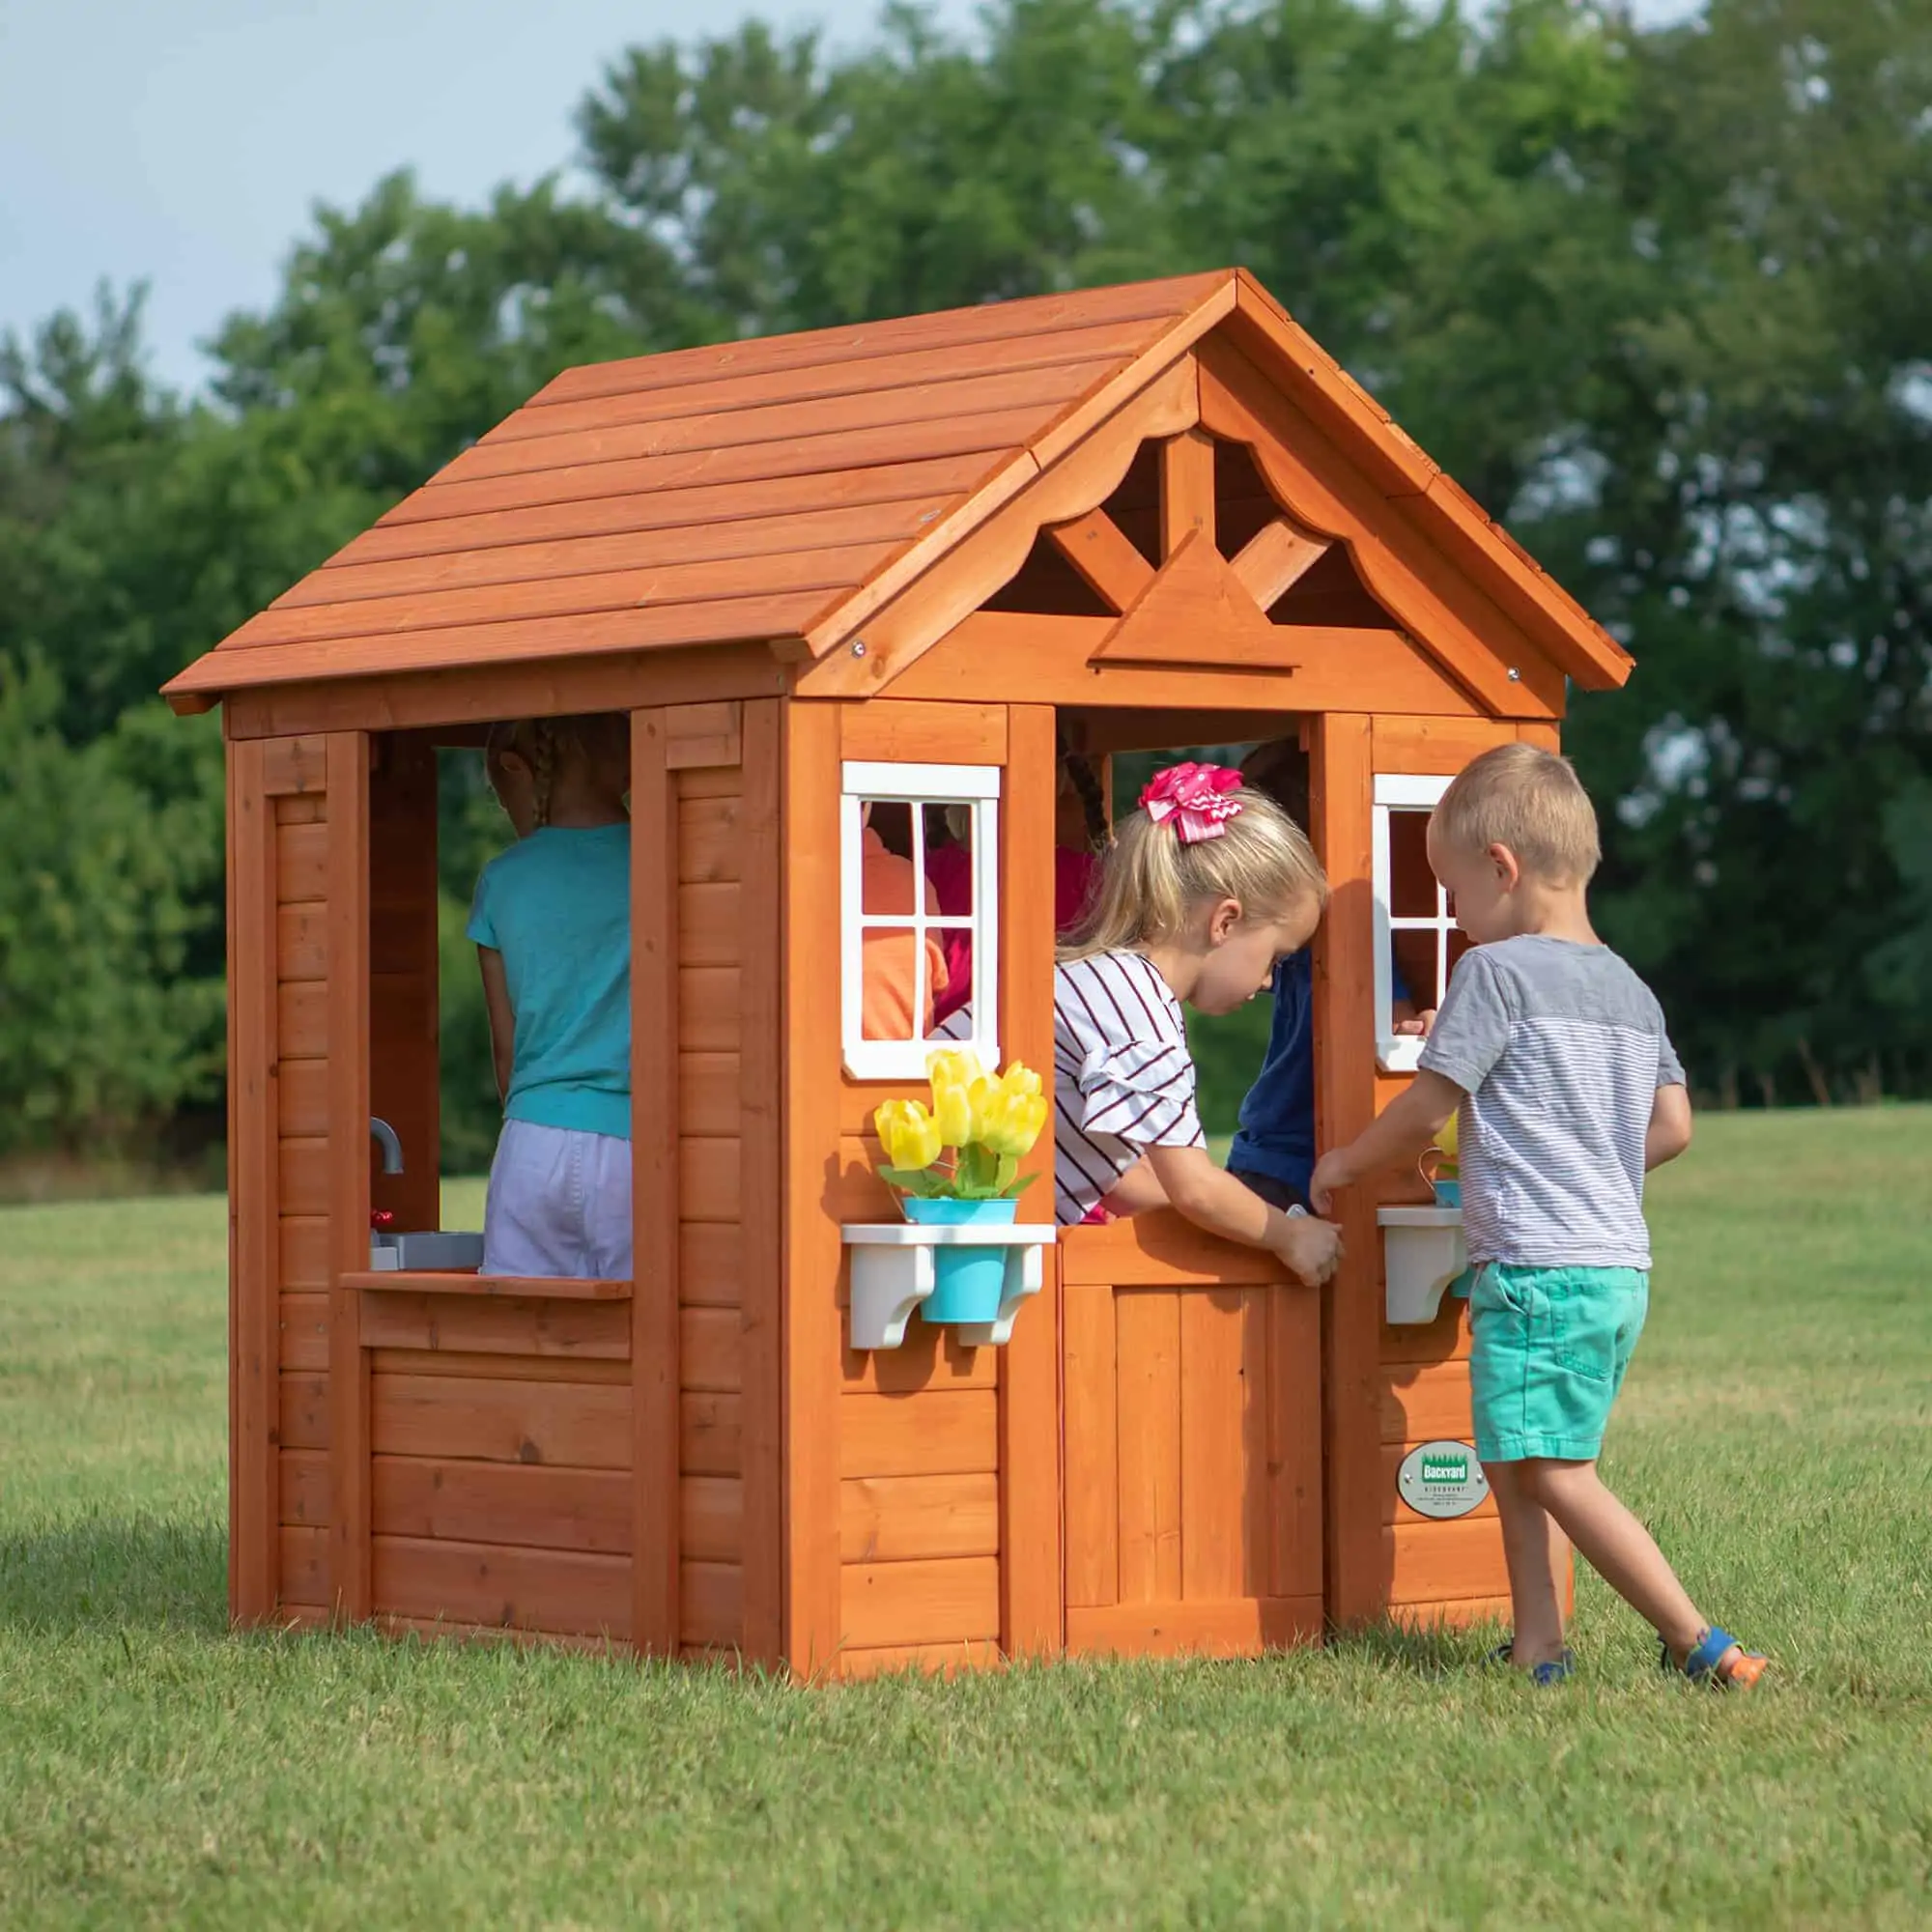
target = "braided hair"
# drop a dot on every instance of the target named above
(1085, 781)
(547, 745)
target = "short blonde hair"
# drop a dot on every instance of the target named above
(1532, 802)
(1149, 882)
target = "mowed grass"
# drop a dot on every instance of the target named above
(155, 1768)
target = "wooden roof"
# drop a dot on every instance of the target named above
(778, 489)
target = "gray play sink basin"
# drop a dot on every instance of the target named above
(432, 1251)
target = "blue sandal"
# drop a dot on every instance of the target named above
(1552, 1670)
(1700, 1667)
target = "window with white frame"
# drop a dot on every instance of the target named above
(919, 915)
(1417, 941)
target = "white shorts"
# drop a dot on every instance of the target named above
(558, 1205)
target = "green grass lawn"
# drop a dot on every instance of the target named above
(1775, 1432)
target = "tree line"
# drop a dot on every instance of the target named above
(1658, 297)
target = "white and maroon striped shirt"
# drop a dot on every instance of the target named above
(1123, 1076)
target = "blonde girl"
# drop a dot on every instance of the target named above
(1205, 889)
(552, 923)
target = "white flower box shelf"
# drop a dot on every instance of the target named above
(1422, 1254)
(893, 1273)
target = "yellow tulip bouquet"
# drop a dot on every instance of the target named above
(988, 1121)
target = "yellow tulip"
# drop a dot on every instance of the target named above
(956, 1067)
(1012, 1121)
(1020, 1078)
(910, 1135)
(1446, 1139)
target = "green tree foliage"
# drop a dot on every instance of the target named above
(1656, 298)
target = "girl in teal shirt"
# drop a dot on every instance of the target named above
(551, 921)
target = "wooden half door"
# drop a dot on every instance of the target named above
(1191, 1374)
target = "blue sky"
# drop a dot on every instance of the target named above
(183, 142)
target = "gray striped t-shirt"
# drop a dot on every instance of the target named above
(1560, 1049)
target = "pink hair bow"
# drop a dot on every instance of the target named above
(1196, 797)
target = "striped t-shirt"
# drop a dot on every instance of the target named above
(1123, 1076)
(1560, 1049)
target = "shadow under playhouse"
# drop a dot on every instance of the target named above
(884, 563)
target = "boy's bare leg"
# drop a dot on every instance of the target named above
(1619, 1548)
(1529, 1549)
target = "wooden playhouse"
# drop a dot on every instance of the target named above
(880, 562)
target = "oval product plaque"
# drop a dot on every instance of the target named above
(1441, 1479)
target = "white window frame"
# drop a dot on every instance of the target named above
(1402, 792)
(978, 787)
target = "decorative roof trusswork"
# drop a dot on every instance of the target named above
(787, 490)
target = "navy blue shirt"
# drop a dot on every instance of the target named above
(1277, 1129)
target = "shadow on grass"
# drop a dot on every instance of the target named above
(1433, 1650)
(107, 1572)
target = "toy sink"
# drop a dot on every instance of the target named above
(1422, 1254)
(429, 1251)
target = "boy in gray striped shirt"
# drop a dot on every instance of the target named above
(1555, 1054)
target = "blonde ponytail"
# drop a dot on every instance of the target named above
(1151, 883)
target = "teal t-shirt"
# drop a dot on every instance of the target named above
(558, 906)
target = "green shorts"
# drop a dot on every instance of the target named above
(1548, 1356)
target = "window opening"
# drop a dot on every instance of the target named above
(919, 907)
(1415, 932)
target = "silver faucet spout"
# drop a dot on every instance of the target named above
(391, 1145)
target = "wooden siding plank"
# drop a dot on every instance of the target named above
(897, 1519)
(302, 1325)
(346, 1169)
(940, 1660)
(814, 1416)
(391, 697)
(303, 1564)
(304, 1487)
(711, 1434)
(1214, 1394)
(569, 1330)
(1293, 1426)
(708, 1093)
(711, 1264)
(567, 1591)
(709, 1010)
(1245, 1627)
(1435, 1562)
(502, 1503)
(301, 1020)
(302, 942)
(711, 1519)
(937, 1600)
(1146, 1331)
(710, 841)
(303, 1240)
(302, 1411)
(951, 1433)
(1344, 1001)
(302, 858)
(255, 1546)
(916, 733)
(931, 1358)
(496, 1368)
(1032, 1576)
(1420, 1403)
(711, 1349)
(655, 912)
(710, 1183)
(578, 1425)
(1441, 746)
(302, 1098)
(1091, 1433)
(988, 653)
(292, 766)
(707, 927)
(704, 737)
(711, 1602)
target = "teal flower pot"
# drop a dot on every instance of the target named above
(1448, 1193)
(969, 1284)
